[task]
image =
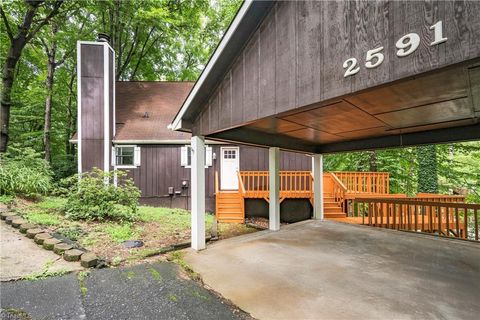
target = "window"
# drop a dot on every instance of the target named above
(230, 154)
(186, 156)
(126, 156)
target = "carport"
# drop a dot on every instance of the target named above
(323, 77)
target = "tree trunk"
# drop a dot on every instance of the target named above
(17, 42)
(51, 65)
(372, 159)
(71, 119)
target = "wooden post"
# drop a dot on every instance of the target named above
(318, 186)
(198, 192)
(274, 189)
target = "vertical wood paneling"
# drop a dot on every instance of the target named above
(251, 65)
(417, 17)
(308, 52)
(285, 70)
(462, 30)
(337, 48)
(371, 30)
(225, 117)
(267, 66)
(237, 91)
(214, 111)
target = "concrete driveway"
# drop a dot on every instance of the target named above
(330, 270)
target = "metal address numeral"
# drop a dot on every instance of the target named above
(406, 45)
(409, 46)
(438, 33)
(374, 54)
(350, 65)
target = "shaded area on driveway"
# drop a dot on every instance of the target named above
(150, 291)
(331, 270)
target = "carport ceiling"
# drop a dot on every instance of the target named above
(445, 99)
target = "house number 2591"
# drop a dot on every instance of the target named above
(405, 45)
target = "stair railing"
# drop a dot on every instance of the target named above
(339, 191)
(241, 186)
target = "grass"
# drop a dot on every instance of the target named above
(82, 275)
(45, 273)
(5, 199)
(51, 203)
(42, 218)
(155, 274)
(171, 220)
(177, 257)
(124, 232)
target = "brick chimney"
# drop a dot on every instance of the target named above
(96, 103)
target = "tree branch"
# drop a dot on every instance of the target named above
(46, 20)
(7, 25)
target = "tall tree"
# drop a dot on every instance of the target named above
(19, 38)
(427, 169)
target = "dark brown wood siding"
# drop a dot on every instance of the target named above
(295, 57)
(92, 106)
(161, 168)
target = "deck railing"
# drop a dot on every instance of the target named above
(365, 182)
(293, 184)
(447, 219)
(339, 191)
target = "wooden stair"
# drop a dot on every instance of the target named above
(230, 207)
(331, 208)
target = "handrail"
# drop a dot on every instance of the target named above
(293, 184)
(447, 219)
(340, 183)
(365, 182)
(217, 189)
(241, 186)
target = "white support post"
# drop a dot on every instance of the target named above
(274, 186)
(198, 192)
(318, 186)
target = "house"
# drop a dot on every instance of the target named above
(335, 76)
(123, 125)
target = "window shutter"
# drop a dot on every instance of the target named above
(113, 162)
(208, 156)
(136, 159)
(183, 157)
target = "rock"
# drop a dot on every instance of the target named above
(31, 233)
(88, 260)
(50, 243)
(24, 227)
(6, 214)
(9, 219)
(41, 237)
(18, 222)
(61, 248)
(3, 207)
(72, 255)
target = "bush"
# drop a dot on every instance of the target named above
(24, 172)
(92, 198)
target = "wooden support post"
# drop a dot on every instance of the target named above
(318, 186)
(198, 192)
(274, 188)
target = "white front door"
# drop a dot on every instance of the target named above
(229, 166)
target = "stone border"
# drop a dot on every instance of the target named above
(48, 241)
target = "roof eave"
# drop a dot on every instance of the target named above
(233, 40)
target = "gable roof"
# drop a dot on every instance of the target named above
(247, 20)
(144, 110)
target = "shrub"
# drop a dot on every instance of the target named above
(95, 197)
(24, 172)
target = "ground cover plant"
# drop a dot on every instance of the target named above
(158, 228)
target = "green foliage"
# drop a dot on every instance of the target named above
(73, 233)
(42, 218)
(6, 199)
(95, 197)
(45, 273)
(427, 169)
(123, 232)
(24, 172)
(171, 219)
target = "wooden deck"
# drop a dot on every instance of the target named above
(357, 198)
